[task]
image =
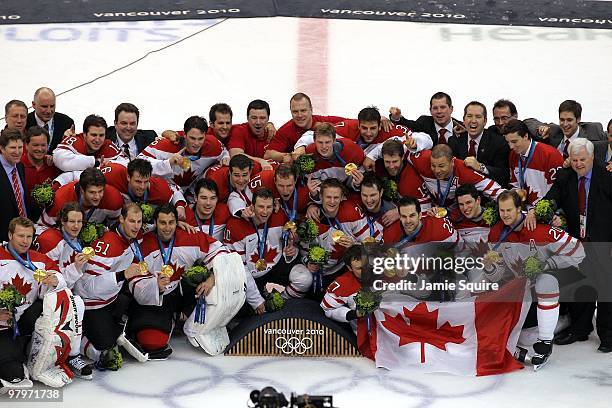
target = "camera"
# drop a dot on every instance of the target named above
(268, 397)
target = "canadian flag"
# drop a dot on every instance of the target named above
(474, 336)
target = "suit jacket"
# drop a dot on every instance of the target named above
(591, 130)
(143, 137)
(599, 203)
(8, 206)
(424, 124)
(493, 152)
(61, 123)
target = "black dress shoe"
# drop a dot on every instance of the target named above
(569, 339)
(605, 348)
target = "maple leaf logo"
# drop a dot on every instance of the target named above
(532, 196)
(21, 286)
(270, 253)
(178, 271)
(423, 328)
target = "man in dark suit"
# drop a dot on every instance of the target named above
(126, 135)
(440, 125)
(584, 193)
(46, 117)
(482, 150)
(570, 127)
(12, 180)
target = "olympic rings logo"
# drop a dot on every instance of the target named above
(293, 345)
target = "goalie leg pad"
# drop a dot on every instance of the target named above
(224, 301)
(53, 334)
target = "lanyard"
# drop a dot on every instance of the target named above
(26, 263)
(442, 197)
(522, 167)
(74, 244)
(291, 214)
(166, 254)
(335, 224)
(261, 241)
(135, 199)
(507, 231)
(133, 244)
(409, 237)
(337, 155)
(211, 226)
(77, 190)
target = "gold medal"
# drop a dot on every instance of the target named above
(336, 235)
(186, 164)
(261, 265)
(522, 193)
(390, 272)
(290, 226)
(492, 256)
(369, 240)
(440, 212)
(392, 252)
(167, 271)
(88, 252)
(349, 168)
(40, 275)
(144, 268)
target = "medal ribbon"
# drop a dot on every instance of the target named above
(26, 263)
(507, 231)
(442, 197)
(211, 226)
(133, 245)
(409, 237)
(261, 240)
(166, 254)
(522, 167)
(74, 244)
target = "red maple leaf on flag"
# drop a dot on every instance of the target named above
(270, 254)
(21, 286)
(423, 328)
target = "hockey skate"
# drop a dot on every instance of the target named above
(542, 350)
(79, 367)
(110, 359)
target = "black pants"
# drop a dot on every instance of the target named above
(103, 326)
(279, 274)
(13, 351)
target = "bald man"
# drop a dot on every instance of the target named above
(46, 117)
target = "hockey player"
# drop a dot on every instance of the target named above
(207, 215)
(117, 260)
(268, 254)
(251, 138)
(284, 140)
(234, 177)
(512, 243)
(220, 119)
(35, 277)
(443, 173)
(378, 213)
(62, 246)
(137, 185)
(334, 158)
(395, 167)
(101, 203)
(168, 252)
(533, 165)
(467, 218)
(290, 194)
(341, 224)
(339, 300)
(87, 149)
(185, 159)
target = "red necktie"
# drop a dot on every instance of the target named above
(442, 137)
(582, 196)
(17, 192)
(565, 153)
(472, 151)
